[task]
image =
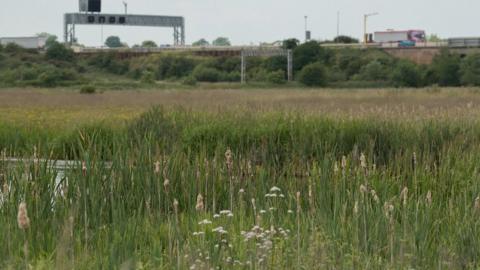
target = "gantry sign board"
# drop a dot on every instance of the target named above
(175, 22)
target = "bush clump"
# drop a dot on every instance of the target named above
(148, 77)
(313, 75)
(406, 74)
(190, 80)
(470, 70)
(206, 74)
(58, 51)
(276, 77)
(88, 89)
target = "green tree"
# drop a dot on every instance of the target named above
(434, 38)
(290, 44)
(113, 42)
(406, 74)
(308, 53)
(201, 43)
(313, 75)
(470, 70)
(221, 41)
(149, 44)
(345, 40)
(58, 51)
(51, 39)
(373, 71)
(446, 68)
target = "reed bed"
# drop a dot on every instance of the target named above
(183, 189)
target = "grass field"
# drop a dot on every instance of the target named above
(241, 179)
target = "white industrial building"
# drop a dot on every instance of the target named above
(25, 42)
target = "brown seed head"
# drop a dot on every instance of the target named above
(199, 206)
(344, 162)
(404, 196)
(428, 199)
(363, 161)
(157, 167)
(22, 217)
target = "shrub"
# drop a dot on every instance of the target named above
(470, 70)
(350, 61)
(308, 53)
(174, 67)
(446, 69)
(373, 71)
(345, 40)
(313, 75)
(12, 48)
(275, 63)
(276, 77)
(148, 77)
(8, 77)
(49, 78)
(190, 80)
(406, 74)
(206, 74)
(88, 89)
(57, 51)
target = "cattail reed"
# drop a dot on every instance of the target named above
(404, 196)
(229, 164)
(157, 167)
(428, 198)
(388, 209)
(199, 206)
(84, 168)
(375, 196)
(414, 161)
(299, 207)
(24, 223)
(22, 217)
(363, 161)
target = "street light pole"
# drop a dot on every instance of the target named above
(306, 28)
(365, 18)
(125, 4)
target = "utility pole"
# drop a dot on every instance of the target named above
(365, 18)
(125, 4)
(338, 23)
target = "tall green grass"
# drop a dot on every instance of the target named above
(302, 192)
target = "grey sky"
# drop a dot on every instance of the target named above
(249, 21)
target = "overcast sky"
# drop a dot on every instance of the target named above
(249, 21)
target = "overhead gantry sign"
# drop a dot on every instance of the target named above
(73, 19)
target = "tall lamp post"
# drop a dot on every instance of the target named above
(365, 18)
(125, 5)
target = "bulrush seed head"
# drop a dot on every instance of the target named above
(375, 196)
(229, 159)
(166, 183)
(344, 162)
(404, 196)
(84, 168)
(428, 199)
(22, 217)
(388, 210)
(175, 206)
(363, 161)
(414, 160)
(200, 205)
(363, 189)
(157, 167)
(298, 202)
